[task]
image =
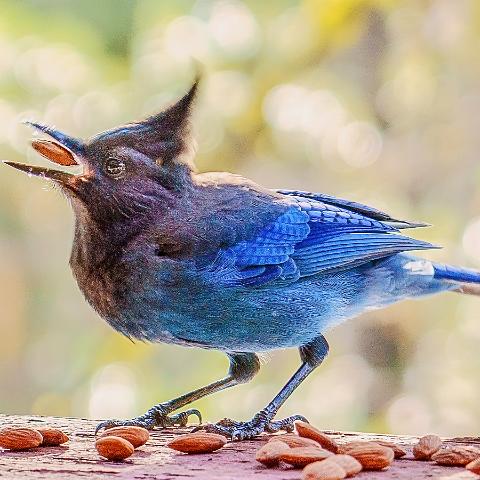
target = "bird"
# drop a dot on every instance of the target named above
(213, 260)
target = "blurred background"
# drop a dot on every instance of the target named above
(376, 101)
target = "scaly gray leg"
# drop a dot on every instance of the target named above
(243, 367)
(312, 355)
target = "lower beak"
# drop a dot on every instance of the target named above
(57, 175)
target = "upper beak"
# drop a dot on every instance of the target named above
(61, 151)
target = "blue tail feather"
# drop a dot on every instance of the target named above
(455, 274)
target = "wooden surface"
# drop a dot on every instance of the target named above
(79, 459)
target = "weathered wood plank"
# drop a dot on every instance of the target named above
(79, 459)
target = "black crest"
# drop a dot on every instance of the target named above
(165, 137)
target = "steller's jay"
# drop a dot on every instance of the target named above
(213, 260)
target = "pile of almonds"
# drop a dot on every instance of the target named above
(430, 447)
(322, 458)
(114, 444)
(22, 438)
(119, 443)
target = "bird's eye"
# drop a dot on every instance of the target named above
(115, 167)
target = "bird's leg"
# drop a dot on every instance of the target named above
(312, 355)
(243, 367)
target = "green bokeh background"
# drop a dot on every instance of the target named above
(377, 101)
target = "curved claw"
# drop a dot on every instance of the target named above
(181, 418)
(155, 417)
(106, 425)
(287, 424)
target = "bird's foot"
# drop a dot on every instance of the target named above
(261, 422)
(157, 416)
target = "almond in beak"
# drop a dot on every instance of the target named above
(54, 152)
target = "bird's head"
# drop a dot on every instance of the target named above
(126, 170)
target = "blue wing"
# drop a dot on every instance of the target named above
(356, 207)
(312, 237)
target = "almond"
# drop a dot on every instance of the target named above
(398, 451)
(347, 446)
(16, 438)
(371, 455)
(456, 456)
(325, 470)
(351, 465)
(269, 453)
(474, 466)
(301, 456)
(198, 442)
(114, 448)
(137, 436)
(306, 430)
(426, 447)
(293, 440)
(54, 151)
(52, 437)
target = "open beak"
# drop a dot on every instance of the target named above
(62, 150)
